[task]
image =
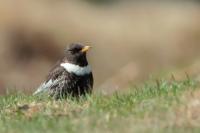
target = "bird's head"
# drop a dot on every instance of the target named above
(76, 54)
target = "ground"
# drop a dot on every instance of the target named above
(160, 106)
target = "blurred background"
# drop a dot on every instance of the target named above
(131, 40)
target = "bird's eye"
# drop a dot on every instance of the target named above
(75, 50)
(78, 49)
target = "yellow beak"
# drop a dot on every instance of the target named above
(85, 49)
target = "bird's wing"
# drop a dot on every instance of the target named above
(54, 78)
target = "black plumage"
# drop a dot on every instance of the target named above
(70, 76)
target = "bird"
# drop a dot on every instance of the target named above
(70, 76)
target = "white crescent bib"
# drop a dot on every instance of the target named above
(76, 69)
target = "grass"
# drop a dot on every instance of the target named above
(154, 107)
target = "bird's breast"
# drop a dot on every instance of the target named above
(76, 69)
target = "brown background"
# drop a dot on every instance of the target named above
(131, 40)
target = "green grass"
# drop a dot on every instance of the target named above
(152, 107)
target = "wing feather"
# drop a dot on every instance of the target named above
(53, 79)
